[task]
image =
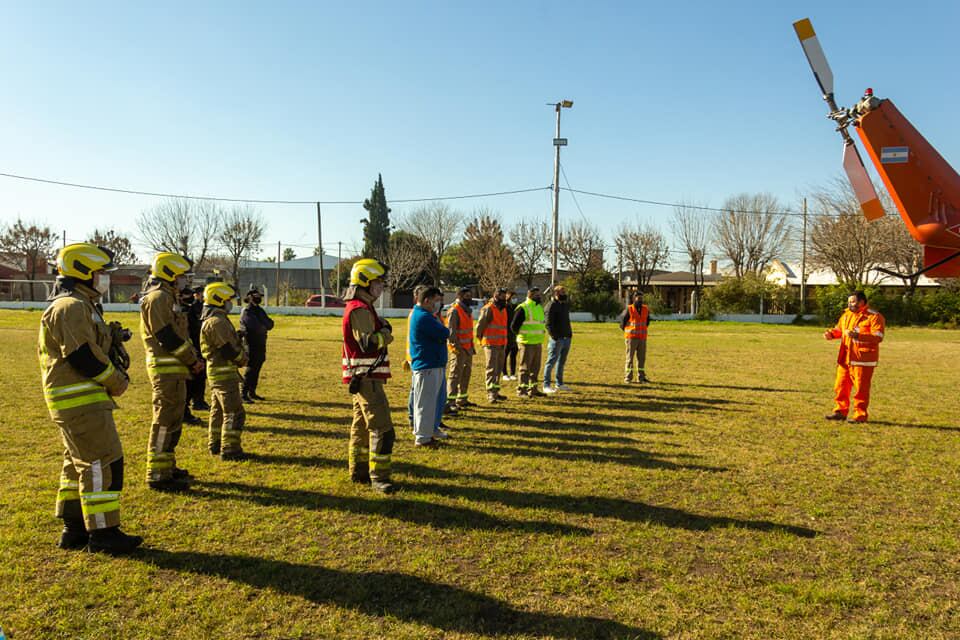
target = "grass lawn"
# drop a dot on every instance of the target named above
(715, 502)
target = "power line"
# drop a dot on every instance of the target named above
(573, 194)
(610, 196)
(157, 194)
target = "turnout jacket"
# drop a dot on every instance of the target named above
(165, 332)
(861, 346)
(74, 341)
(365, 334)
(221, 347)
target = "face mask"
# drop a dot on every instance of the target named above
(228, 307)
(438, 306)
(255, 299)
(499, 304)
(562, 297)
(537, 299)
(467, 303)
(101, 283)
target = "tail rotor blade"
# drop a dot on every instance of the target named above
(816, 58)
(861, 183)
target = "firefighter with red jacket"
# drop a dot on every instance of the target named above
(634, 322)
(366, 367)
(860, 330)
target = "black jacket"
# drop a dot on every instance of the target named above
(194, 322)
(256, 323)
(558, 319)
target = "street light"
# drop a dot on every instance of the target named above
(557, 143)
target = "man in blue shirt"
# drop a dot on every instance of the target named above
(428, 361)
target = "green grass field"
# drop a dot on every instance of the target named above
(714, 503)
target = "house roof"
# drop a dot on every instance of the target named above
(789, 273)
(307, 263)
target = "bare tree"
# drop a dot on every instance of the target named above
(691, 230)
(484, 252)
(30, 242)
(439, 226)
(751, 231)
(408, 257)
(241, 230)
(845, 242)
(530, 242)
(644, 249)
(117, 242)
(179, 225)
(581, 247)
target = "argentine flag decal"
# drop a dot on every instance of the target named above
(894, 155)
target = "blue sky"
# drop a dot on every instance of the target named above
(309, 101)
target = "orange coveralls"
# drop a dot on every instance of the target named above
(858, 357)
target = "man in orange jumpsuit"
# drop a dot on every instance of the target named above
(860, 330)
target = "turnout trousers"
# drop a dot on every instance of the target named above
(169, 401)
(91, 477)
(496, 358)
(227, 417)
(857, 380)
(459, 369)
(371, 434)
(636, 351)
(529, 356)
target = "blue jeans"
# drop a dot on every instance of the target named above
(557, 352)
(441, 402)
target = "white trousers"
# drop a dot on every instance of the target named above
(426, 390)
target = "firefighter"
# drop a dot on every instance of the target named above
(460, 346)
(860, 330)
(634, 322)
(528, 323)
(79, 384)
(223, 352)
(256, 324)
(366, 367)
(492, 334)
(171, 359)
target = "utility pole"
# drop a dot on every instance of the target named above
(278, 273)
(557, 143)
(803, 263)
(619, 272)
(339, 244)
(323, 290)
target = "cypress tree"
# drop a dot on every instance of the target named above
(376, 226)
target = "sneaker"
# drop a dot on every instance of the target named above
(440, 434)
(201, 405)
(536, 393)
(171, 485)
(563, 387)
(450, 410)
(429, 444)
(500, 396)
(836, 415)
(443, 426)
(857, 421)
(549, 389)
(383, 486)
(112, 540)
(493, 399)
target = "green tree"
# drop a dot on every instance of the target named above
(376, 226)
(289, 254)
(454, 270)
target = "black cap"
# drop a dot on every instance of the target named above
(465, 290)
(253, 289)
(501, 290)
(534, 288)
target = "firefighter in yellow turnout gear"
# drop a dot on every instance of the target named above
(224, 353)
(79, 384)
(366, 367)
(171, 358)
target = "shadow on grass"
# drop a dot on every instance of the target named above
(484, 439)
(345, 405)
(413, 511)
(660, 404)
(412, 468)
(605, 508)
(405, 597)
(546, 422)
(572, 436)
(297, 431)
(904, 425)
(302, 461)
(630, 458)
(340, 420)
(731, 386)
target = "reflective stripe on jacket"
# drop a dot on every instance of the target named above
(864, 349)
(636, 327)
(533, 328)
(354, 359)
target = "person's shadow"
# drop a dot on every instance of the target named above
(385, 593)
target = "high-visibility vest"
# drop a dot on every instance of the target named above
(495, 333)
(533, 328)
(636, 327)
(864, 350)
(355, 359)
(464, 328)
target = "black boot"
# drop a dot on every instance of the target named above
(172, 484)
(200, 405)
(360, 477)
(189, 418)
(383, 486)
(112, 540)
(247, 398)
(74, 535)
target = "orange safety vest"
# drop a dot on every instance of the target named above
(495, 333)
(864, 350)
(464, 329)
(636, 328)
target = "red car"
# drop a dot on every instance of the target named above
(331, 301)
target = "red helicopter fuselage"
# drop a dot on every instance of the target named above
(924, 187)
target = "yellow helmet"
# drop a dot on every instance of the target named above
(366, 270)
(82, 259)
(217, 294)
(167, 266)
